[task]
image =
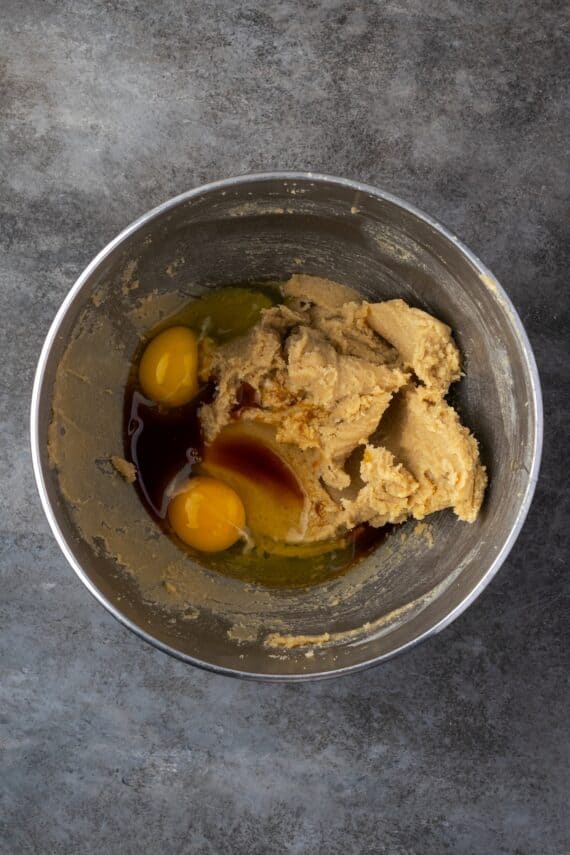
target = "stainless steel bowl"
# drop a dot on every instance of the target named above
(246, 228)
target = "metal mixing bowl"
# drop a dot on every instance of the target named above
(249, 228)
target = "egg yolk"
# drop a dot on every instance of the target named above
(168, 370)
(207, 514)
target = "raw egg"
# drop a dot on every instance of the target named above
(207, 514)
(246, 456)
(168, 370)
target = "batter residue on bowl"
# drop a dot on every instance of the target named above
(296, 422)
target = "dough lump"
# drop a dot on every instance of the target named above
(352, 395)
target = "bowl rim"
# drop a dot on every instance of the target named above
(484, 273)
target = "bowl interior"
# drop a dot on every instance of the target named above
(252, 229)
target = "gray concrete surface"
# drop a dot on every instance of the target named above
(108, 746)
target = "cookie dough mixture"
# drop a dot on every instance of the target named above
(350, 395)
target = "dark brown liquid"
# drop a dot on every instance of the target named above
(164, 444)
(256, 462)
(245, 397)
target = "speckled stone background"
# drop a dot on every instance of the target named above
(108, 108)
